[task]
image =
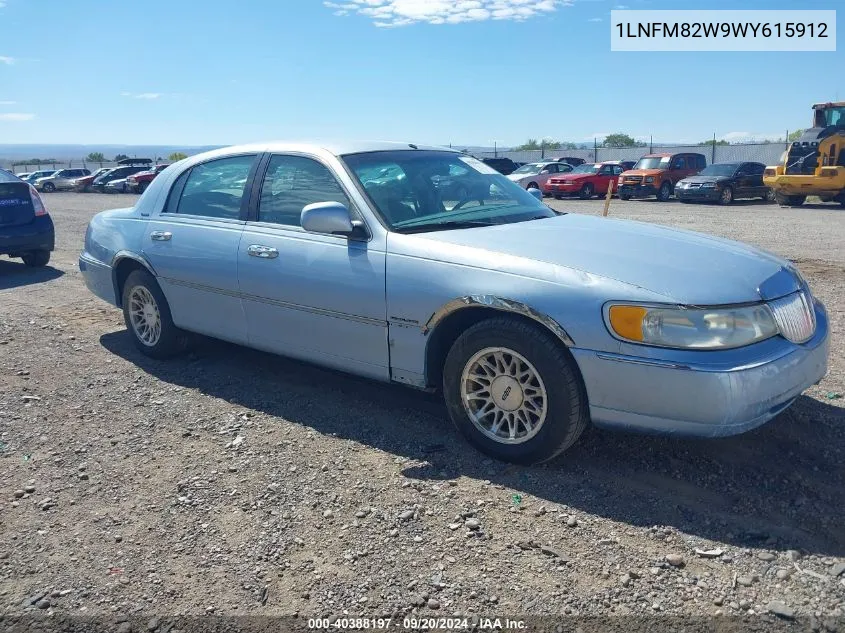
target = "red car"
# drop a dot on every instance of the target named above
(83, 185)
(139, 182)
(586, 181)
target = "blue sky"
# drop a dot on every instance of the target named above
(208, 72)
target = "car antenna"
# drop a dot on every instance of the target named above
(412, 146)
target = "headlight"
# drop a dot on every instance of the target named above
(649, 178)
(620, 180)
(708, 185)
(691, 328)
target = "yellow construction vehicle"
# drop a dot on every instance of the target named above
(814, 165)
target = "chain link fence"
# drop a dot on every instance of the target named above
(766, 153)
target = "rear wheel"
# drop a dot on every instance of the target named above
(49, 187)
(726, 196)
(142, 187)
(769, 196)
(514, 392)
(586, 192)
(147, 317)
(532, 185)
(36, 259)
(790, 201)
(665, 192)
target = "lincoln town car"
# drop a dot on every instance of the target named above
(532, 323)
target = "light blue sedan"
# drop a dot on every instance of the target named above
(423, 266)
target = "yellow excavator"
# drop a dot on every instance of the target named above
(814, 165)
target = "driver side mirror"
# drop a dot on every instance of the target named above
(327, 217)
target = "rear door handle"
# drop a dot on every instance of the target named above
(264, 252)
(161, 236)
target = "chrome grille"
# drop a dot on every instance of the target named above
(633, 179)
(795, 316)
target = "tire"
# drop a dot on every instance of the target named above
(564, 412)
(587, 192)
(532, 185)
(789, 201)
(624, 196)
(770, 195)
(685, 201)
(665, 192)
(36, 259)
(558, 197)
(142, 187)
(141, 290)
(49, 187)
(727, 196)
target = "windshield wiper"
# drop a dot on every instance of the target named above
(441, 226)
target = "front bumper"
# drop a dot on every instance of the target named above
(38, 235)
(562, 190)
(637, 191)
(680, 395)
(698, 193)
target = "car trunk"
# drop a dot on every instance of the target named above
(15, 204)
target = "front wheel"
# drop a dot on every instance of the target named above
(514, 392)
(664, 193)
(147, 317)
(586, 192)
(726, 196)
(624, 196)
(49, 187)
(36, 259)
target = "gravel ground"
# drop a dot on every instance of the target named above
(235, 482)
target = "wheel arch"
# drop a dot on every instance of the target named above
(122, 266)
(455, 317)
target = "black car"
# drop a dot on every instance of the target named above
(502, 165)
(572, 160)
(724, 183)
(26, 229)
(125, 168)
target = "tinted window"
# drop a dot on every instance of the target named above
(701, 161)
(679, 162)
(755, 169)
(293, 182)
(213, 189)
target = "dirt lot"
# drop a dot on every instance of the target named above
(121, 492)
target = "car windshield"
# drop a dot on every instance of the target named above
(530, 169)
(431, 190)
(833, 116)
(586, 169)
(653, 162)
(6, 176)
(725, 169)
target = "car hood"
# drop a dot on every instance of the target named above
(572, 176)
(643, 172)
(516, 177)
(700, 179)
(685, 267)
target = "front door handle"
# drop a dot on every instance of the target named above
(264, 252)
(161, 236)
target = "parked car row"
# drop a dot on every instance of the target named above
(684, 175)
(132, 175)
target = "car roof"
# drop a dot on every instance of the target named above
(338, 148)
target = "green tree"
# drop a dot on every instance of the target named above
(719, 142)
(529, 145)
(95, 157)
(533, 144)
(794, 136)
(120, 157)
(620, 139)
(175, 156)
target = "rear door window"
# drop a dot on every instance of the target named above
(213, 190)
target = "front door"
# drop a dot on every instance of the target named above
(193, 247)
(316, 297)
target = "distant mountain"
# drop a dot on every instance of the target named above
(78, 152)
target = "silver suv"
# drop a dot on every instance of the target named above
(62, 179)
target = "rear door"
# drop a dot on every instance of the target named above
(193, 242)
(15, 203)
